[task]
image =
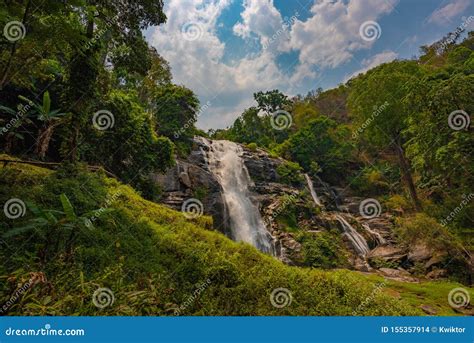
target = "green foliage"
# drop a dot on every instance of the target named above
(175, 113)
(375, 179)
(130, 149)
(151, 257)
(378, 263)
(321, 141)
(323, 250)
(271, 101)
(290, 173)
(252, 146)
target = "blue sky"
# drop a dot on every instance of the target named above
(225, 50)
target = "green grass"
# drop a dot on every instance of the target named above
(154, 260)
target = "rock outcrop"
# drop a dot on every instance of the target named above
(192, 178)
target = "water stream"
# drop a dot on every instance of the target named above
(225, 162)
(357, 240)
(311, 189)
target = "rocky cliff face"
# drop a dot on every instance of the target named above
(368, 243)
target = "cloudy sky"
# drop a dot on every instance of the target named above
(225, 50)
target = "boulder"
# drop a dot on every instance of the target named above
(437, 274)
(419, 253)
(397, 274)
(387, 253)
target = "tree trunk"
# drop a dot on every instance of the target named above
(80, 99)
(6, 71)
(44, 137)
(406, 174)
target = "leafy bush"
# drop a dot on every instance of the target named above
(152, 258)
(252, 146)
(323, 250)
(290, 173)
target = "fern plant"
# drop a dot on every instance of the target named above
(55, 228)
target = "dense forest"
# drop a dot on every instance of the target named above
(89, 111)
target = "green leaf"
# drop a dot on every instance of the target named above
(46, 104)
(67, 206)
(22, 229)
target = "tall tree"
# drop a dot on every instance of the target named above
(386, 125)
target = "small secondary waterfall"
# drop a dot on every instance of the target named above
(225, 162)
(378, 237)
(311, 189)
(358, 242)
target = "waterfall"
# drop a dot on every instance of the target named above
(358, 242)
(378, 237)
(225, 162)
(311, 189)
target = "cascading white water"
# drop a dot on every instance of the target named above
(358, 241)
(378, 237)
(312, 191)
(225, 162)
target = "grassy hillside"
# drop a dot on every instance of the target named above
(155, 260)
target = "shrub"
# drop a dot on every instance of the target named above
(290, 173)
